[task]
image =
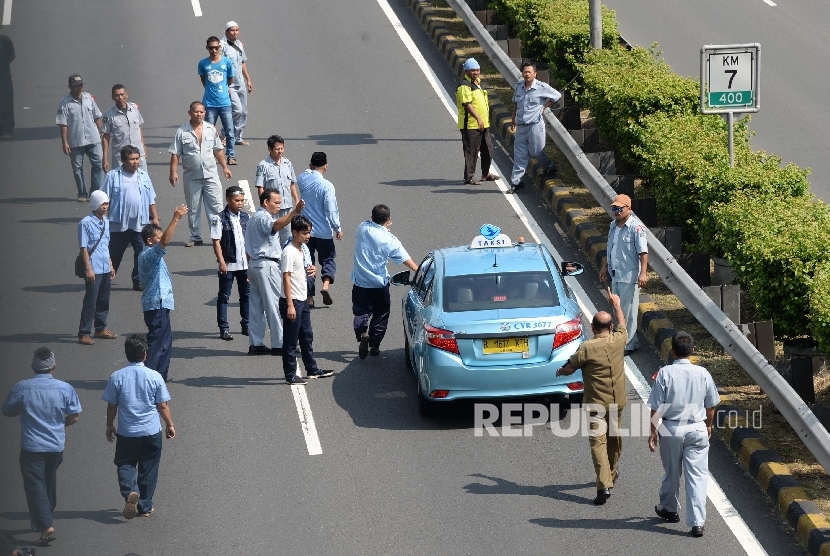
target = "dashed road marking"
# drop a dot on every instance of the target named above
(197, 8)
(7, 12)
(312, 441)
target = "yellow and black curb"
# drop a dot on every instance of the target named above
(762, 462)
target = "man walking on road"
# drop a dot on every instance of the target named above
(626, 263)
(137, 395)
(227, 231)
(94, 239)
(531, 98)
(684, 396)
(321, 209)
(122, 127)
(198, 146)
(217, 75)
(79, 120)
(242, 85)
(474, 123)
(132, 206)
(264, 250)
(277, 172)
(7, 56)
(603, 373)
(45, 406)
(374, 245)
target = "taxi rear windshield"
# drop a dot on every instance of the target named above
(513, 290)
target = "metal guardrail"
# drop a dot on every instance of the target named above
(797, 413)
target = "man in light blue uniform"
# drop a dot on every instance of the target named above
(94, 239)
(132, 206)
(322, 210)
(79, 120)
(45, 406)
(685, 397)
(531, 98)
(262, 244)
(277, 172)
(374, 245)
(626, 263)
(138, 396)
(242, 85)
(122, 127)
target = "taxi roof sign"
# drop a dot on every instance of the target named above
(481, 242)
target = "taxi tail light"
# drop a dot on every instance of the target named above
(440, 394)
(574, 386)
(441, 339)
(567, 332)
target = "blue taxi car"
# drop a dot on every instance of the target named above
(493, 319)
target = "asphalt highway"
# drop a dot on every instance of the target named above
(238, 478)
(793, 120)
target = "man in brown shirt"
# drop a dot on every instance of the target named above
(603, 373)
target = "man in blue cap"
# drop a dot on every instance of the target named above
(474, 123)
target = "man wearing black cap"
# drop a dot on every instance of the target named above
(79, 120)
(321, 209)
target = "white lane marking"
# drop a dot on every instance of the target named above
(725, 508)
(312, 441)
(249, 200)
(7, 12)
(770, 3)
(197, 8)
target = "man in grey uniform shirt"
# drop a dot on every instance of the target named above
(121, 127)
(198, 146)
(530, 99)
(242, 85)
(263, 246)
(685, 397)
(79, 120)
(277, 172)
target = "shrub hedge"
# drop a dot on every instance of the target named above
(820, 306)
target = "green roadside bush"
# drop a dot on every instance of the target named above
(776, 245)
(621, 87)
(820, 306)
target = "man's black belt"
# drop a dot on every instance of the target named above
(272, 259)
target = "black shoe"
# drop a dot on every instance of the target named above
(276, 352)
(550, 172)
(374, 351)
(194, 243)
(516, 188)
(363, 350)
(320, 374)
(603, 495)
(258, 350)
(671, 517)
(296, 381)
(327, 300)
(138, 287)
(310, 301)
(697, 531)
(225, 335)
(629, 352)
(244, 331)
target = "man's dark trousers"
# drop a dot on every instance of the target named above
(225, 290)
(371, 307)
(137, 458)
(294, 332)
(118, 244)
(159, 340)
(475, 141)
(96, 305)
(325, 252)
(40, 482)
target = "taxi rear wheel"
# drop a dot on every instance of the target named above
(425, 407)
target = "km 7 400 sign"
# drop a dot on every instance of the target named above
(730, 78)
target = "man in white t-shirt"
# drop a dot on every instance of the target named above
(294, 310)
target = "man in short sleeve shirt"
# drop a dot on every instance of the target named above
(93, 240)
(121, 127)
(79, 120)
(242, 85)
(474, 123)
(217, 75)
(277, 172)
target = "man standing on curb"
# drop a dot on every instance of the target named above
(138, 396)
(79, 120)
(277, 172)
(531, 98)
(626, 263)
(684, 396)
(322, 210)
(198, 145)
(474, 123)
(94, 240)
(242, 85)
(374, 246)
(46, 406)
(216, 74)
(603, 373)
(132, 206)
(122, 127)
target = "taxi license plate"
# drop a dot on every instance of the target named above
(505, 345)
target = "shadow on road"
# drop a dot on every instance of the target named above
(229, 382)
(636, 523)
(36, 133)
(107, 517)
(36, 200)
(557, 492)
(88, 384)
(57, 288)
(59, 220)
(40, 338)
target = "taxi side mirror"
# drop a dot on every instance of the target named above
(400, 278)
(571, 269)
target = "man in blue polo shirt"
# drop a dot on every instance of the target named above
(94, 240)
(138, 396)
(46, 406)
(374, 245)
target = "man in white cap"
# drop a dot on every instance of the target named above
(474, 123)
(233, 48)
(94, 240)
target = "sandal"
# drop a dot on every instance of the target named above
(472, 182)
(231, 162)
(491, 177)
(44, 541)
